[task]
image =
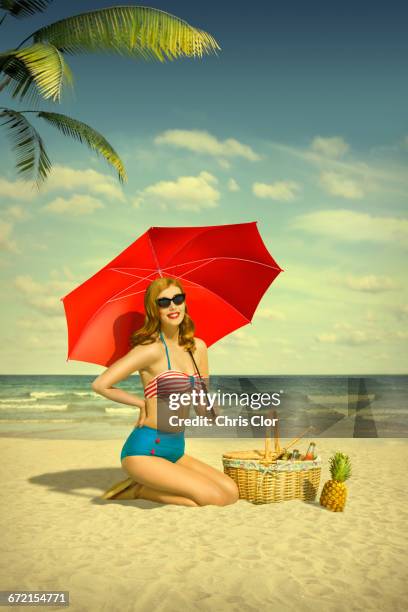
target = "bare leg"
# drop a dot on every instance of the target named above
(222, 480)
(139, 491)
(168, 482)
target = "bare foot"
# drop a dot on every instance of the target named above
(132, 492)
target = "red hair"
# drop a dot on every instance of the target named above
(150, 330)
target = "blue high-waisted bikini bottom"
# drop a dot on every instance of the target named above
(155, 443)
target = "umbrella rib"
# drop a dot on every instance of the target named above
(132, 268)
(154, 254)
(207, 229)
(112, 299)
(206, 261)
(217, 296)
(130, 274)
(211, 259)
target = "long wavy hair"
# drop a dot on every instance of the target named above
(151, 328)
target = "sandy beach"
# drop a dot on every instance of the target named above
(137, 555)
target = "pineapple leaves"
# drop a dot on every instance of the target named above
(24, 8)
(40, 66)
(136, 31)
(32, 158)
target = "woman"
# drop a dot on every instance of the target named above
(159, 469)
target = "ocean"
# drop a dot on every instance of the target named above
(65, 406)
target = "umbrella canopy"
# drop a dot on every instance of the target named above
(224, 269)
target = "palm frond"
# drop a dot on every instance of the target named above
(24, 8)
(40, 66)
(84, 133)
(32, 158)
(136, 31)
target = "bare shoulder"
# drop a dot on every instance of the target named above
(200, 345)
(145, 353)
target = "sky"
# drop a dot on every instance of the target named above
(299, 123)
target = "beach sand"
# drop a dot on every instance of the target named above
(57, 534)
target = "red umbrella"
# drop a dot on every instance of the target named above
(225, 270)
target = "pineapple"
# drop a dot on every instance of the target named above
(334, 491)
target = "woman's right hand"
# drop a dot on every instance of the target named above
(142, 415)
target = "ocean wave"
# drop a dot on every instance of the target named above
(38, 421)
(118, 411)
(341, 399)
(42, 394)
(17, 400)
(86, 393)
(35, 407)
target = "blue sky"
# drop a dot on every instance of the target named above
(299, 123)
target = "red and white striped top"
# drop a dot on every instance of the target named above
(171, 381)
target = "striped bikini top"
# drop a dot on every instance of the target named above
(171, 381)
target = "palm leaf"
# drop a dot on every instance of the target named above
(31, 154)
(84, 133)
(41, 66)
(24, 8)
(136, 31)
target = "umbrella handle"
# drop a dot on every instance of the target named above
(213, 414)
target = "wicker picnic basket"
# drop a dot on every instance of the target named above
(263, 478)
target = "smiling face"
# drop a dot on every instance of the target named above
(173, 314)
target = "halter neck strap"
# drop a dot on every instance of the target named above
(167, 350)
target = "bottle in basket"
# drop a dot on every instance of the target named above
(311, 452)
(295, 455)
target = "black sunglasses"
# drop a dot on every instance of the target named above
(177, 299)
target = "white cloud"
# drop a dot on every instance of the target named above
(341, 185)
(185, 193)
(349, 226)
(17, 190)
(233, 185)
(280, 190)
(334, 146)
(204, 142)
(49, 324)
(326, 337)
(66, 178)
(70, 179)
(6, 241)
(269, 313)
(352, 337)
(374, 177)
(239, 339)
(401, 311)
(370, 283)
(44, 297)
(78, 204)
(224, 163)
(342, 325)
(10, 216)
(17, 212)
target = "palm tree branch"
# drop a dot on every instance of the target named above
(24, 8)
(84, 133)
(29, 146)
(40, 65)
(136, 31)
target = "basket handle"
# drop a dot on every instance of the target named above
(294, 441)
(268, 443)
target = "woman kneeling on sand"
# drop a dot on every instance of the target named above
(154, 458)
